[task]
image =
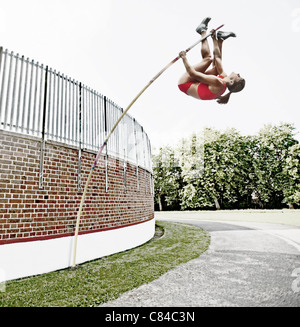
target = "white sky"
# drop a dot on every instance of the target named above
(117, 46)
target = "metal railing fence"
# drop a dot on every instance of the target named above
(38, 101)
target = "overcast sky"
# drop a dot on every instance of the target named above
(117, 46)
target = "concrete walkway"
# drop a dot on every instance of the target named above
(247, 264)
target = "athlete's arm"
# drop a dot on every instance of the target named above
(198, 76)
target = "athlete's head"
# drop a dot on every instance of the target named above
(236, 84)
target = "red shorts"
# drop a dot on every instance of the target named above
(184, 87)
(203, 90)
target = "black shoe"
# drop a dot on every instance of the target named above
(203, 26)
(225, 35)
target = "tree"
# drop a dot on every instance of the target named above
(228, 168)
(291, 174)
(225, 178)
(270, 155)
(167, 178)
(214, 169)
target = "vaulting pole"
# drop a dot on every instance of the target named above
(110, 133)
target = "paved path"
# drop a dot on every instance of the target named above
(247, 264)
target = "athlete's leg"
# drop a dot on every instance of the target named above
(205, 50)
(218, 48)
(203, 65)
(206, 55)
(220, 44)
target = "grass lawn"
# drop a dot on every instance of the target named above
(105, 279)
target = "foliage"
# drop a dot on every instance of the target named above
(216, 169)
(167, 177)
(291, 176)
(270, 164)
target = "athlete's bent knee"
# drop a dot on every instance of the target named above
(208, 59)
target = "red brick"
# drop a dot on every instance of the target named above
(53, 210)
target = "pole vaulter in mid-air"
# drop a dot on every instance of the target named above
(203, 83)
(197, 82)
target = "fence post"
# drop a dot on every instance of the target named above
(145, 174)
(79, 135)
(1, 97)
(1, 51)
(8, 90)
(150, 168)
(125, 162)
(137, 159)
(106, 154)
(43, 131)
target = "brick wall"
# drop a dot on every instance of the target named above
(28, 213)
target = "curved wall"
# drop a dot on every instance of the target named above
(51, 127)
(37, 225)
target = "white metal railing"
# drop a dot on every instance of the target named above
(38, 101)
